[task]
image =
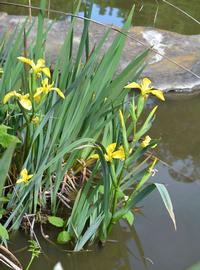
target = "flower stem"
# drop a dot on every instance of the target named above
(30, 262)
(116, 187)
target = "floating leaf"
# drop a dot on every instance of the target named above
(56, 221)
(63, 237)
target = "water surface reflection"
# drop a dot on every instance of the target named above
(177, 124)
(156, 242)
(116, 11)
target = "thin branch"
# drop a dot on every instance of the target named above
(182, 11)
(30, 12)
(49, 7)
(9, 259)
(156, 13)
(8, 263)
(142, 5)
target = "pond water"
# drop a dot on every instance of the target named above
(115, 12)
(177, 124)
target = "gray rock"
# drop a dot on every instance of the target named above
(182, 49)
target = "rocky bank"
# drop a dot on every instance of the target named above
(182, 49)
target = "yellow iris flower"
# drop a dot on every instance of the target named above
(111, 153)
(146, 89)
(146, 141)
(38, 67)
(25, 177)
(46, 88)
(23, 99)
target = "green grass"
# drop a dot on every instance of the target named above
(58, 150)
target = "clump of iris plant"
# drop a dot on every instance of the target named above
(30, 101)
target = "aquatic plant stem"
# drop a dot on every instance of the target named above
(26, 143)
(30, 262)
(116, 189)
(32, 88)
(114, 201)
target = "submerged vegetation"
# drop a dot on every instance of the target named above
(75, 149)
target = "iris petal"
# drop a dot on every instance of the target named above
(47, 72)
(26, 60)
(145, 84)
(158, 94)
(8, 96)
(119, 154)
(133, 85)
(59, 92)
(25, 102)
(111, 148)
